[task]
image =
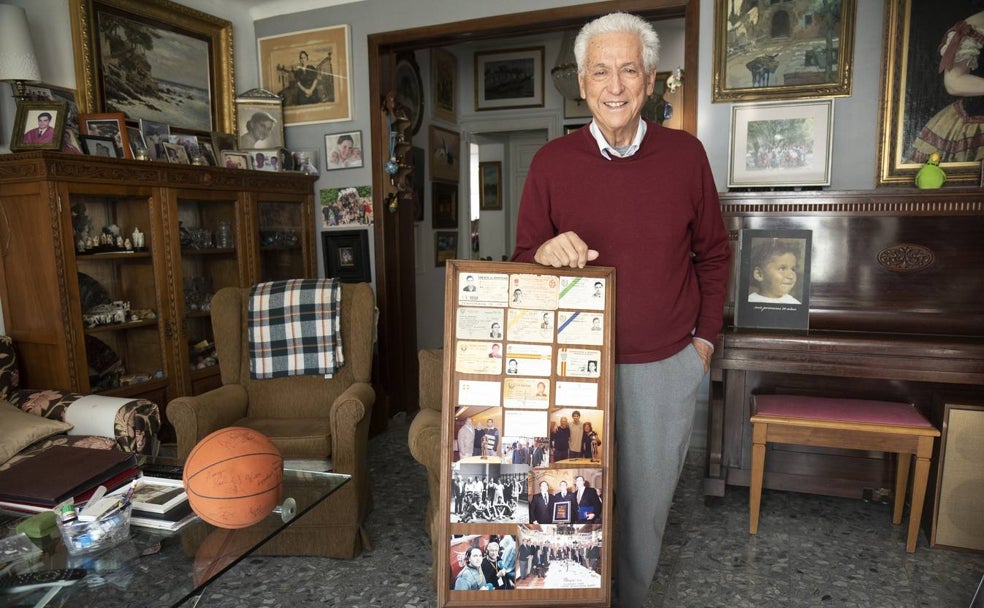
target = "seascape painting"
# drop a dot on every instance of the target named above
(154, 73)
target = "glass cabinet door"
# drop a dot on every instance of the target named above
(285, 242)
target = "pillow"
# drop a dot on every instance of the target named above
(21, 429)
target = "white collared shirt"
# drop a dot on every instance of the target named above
(608, 151)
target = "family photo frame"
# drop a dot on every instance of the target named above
(343, 150)
(196, 69)
(781, 144)
(108, 124)
(761, 53)
(39, 125)
(509, 79)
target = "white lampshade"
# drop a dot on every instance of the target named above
(17, 58)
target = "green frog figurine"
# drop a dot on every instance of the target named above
(930, 176)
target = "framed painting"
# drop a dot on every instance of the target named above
(180, 67)
(490, 185)
(346, 255)
(782, 50)
(108, 124)
(343, 150)
(311, 70)
(445, 246)
(444, 80)
(509, 79)
(919, 115)
(444, 152)
(781, 144)
(444, 208)
(39, 125)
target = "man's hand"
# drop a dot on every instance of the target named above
(565, 249)
(704, 351)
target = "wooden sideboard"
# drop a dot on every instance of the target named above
(896, 312)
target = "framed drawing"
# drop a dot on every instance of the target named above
(782, 50)
(346, 255)
(108, 124)
(311, 70)
(445, 246)
(39, 125)
(260, 119)
(343, 150)
(509, 79)
(444, 205)
(781, 144)
(444, 79)
(444, 152)
(773, 283)
(918, 115)
(410, 89)
(490, 185)
(180, 67)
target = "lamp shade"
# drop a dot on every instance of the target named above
(17, 58)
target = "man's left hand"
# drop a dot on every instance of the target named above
(704, 351)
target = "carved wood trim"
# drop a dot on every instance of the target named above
(906, 257)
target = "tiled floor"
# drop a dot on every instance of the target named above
(810, 551)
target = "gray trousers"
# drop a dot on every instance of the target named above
(654, 415)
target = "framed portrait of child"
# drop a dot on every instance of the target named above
(773, 284)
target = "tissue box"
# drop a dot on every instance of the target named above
(90, 536)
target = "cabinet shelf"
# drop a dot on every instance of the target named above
(109, 327)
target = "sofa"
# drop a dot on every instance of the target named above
(32, 420)
(424, 437)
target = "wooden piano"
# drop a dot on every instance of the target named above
(896, 313)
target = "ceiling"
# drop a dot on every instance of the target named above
(262, 9)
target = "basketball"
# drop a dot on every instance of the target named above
(233, 477)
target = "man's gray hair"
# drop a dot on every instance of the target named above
(619, 22)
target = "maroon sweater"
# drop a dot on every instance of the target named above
(644, 215)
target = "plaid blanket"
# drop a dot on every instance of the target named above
(295, 328)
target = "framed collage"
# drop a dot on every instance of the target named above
(527, 439)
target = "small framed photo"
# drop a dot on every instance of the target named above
(444, 85)
(232, 159)
(175, 153)
(773, 282)
(343, 150)
(444, 210)
(109, 124)
(260, 116)
(781, 144)
(347, 255)
(444, 153)
(490, 185)
(267, 159)
(189, 143)
(445, 246)
(99, 145)
(39, 125)
(138, 145)
(306, 161)
(154, 134)
(509, 79)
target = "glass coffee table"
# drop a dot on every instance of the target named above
(156, 568)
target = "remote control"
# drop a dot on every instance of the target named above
(45, 577)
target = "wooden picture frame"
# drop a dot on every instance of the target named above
(343, 150)
(444, 85)
(260, 120)
(490, 185)
(768, 260)
(108, 124)
(312, 71)
(346, 255)
(26, 133)
(771, 51)
(202, 56)
(444, 205)
(444, 153)
(781, 144)
(98, 145)
(43, 91)
(913, 93)
(516, 386)
(509, 79)
(445, 246)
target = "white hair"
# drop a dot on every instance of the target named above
(620, 23)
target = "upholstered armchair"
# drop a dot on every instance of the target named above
(306, 417)
(425, 437)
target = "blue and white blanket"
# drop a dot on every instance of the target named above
(295, 328)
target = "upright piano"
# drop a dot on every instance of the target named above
(896, 313)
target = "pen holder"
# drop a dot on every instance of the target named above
(90, 536)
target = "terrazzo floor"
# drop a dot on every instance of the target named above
(810, 551)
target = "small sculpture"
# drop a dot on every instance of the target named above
(930, 176)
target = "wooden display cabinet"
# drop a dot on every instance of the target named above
(156, 350)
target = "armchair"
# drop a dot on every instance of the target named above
(308, 417)
(425, 439)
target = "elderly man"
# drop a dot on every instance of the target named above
(629, 193)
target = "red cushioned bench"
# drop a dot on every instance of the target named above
(857, 424)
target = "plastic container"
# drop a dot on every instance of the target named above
(90, 536)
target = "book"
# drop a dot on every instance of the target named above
(162, 524)
(175, 514)
(153, 496)
(63, 473)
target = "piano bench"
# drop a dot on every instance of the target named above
(856, 424)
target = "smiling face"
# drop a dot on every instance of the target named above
(778, 276)
(615, 84)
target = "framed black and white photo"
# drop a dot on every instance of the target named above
(346, 255)
(99, 145)
(773, 283)
(781, 144)
(509, 79)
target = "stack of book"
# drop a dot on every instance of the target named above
(160, 503)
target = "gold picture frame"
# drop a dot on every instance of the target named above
(31, 115)
(444, 85)
(205, 59)
(768, 43)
